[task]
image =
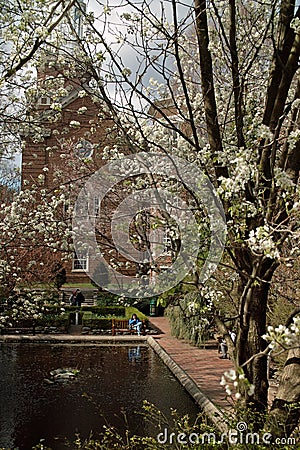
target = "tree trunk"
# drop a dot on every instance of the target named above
(285, 411)
(207, 84)
(252, 326)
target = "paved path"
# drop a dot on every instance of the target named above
(202, 365)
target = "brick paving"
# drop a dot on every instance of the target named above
(202, 365)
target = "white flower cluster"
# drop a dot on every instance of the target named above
(210, 295)
(236, 382)
(74, 124)
(294, 138)
(295, 24)
(193, 306)
(82, 110)
(284, 337)
(33, 223)
(155, 87)
(263, 132)
(261, 242)
(82, 93)
(56, 106)
(241, 172)
(282, 179)
(112, 153)
(202, 325)
(27, 306)
(126, 72)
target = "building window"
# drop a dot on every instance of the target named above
(96, 206)
(44, 100)
(80, 261)
(167, 243)
(84, 149)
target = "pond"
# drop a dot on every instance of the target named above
(111, 384)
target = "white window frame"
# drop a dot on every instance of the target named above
(80, 262)
(167, 243)
(96, 206)
(44, 100)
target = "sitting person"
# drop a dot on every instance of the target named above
(232, 334)
(135, 323)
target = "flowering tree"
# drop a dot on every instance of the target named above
(224, 95)
(35, 235)
(214, 83)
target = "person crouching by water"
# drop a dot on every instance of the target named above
(135, 323)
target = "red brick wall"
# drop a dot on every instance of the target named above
(60, 139)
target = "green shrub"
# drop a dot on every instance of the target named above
(129, 310)
(88, 315)
(61, 321)
(24, 323)
(117, 311)
(187, 324)
(97, 322)
(54, 310)
(107, 299)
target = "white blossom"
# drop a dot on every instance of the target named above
(74, 124)
(260, 241)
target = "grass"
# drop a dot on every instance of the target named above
(47, 286)
(78, 286)
(129, 310)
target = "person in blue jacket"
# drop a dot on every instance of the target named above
(135, 323)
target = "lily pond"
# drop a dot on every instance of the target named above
(97, 385)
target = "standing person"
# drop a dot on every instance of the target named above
(72, 298)
(135, 323)
(232, 334)
(79, 297)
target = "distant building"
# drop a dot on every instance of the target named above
(66, 130)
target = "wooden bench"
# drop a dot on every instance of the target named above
(209, 343)
(121, 326)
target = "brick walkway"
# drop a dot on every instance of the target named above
(202, 365)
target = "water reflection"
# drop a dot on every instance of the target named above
(110, 384)
(134, 354)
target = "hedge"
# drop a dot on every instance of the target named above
(101, 323)
(117, 311)
(53, 321)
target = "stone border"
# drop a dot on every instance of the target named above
(69, 338)
(215, 414)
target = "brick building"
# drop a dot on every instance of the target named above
(66, 131)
